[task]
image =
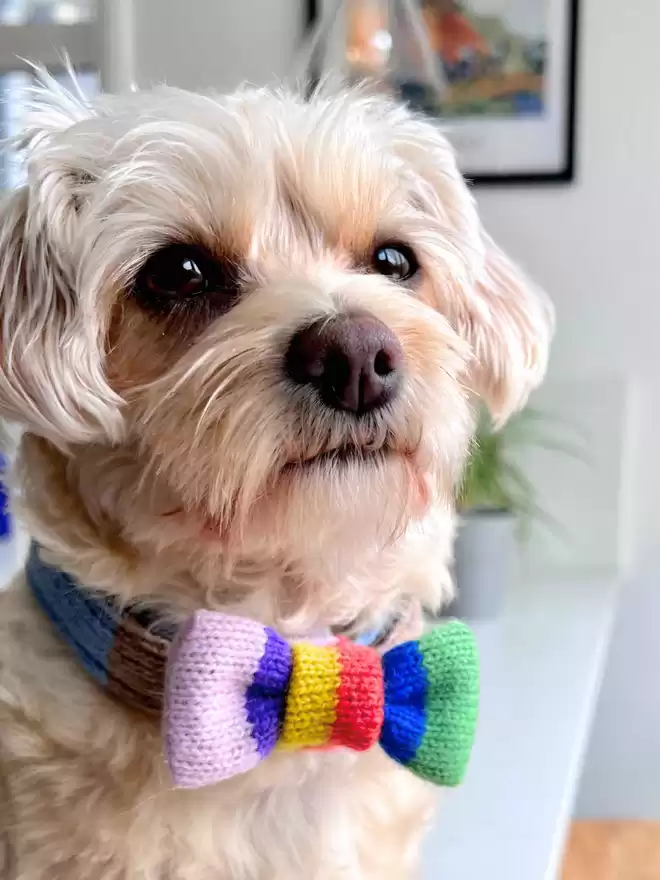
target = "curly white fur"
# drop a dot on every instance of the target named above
(176, 462)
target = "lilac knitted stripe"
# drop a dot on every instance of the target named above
(266, 696)
(207, 733)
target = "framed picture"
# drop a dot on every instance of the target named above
(500, 76)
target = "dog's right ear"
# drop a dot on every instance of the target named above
(52, 336)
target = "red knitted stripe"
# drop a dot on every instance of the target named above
(360, 697)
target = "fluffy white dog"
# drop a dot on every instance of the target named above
(244, 335)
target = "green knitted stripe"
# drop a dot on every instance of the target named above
(452, 666)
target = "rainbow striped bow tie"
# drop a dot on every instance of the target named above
(236, 690)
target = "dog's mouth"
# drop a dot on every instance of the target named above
(331, 466)
(339, 457)
(342, 456)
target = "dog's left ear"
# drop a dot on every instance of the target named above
(508, 321)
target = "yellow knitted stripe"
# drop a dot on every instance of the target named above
(312, 698)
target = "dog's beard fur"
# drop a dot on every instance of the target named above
(170, 456)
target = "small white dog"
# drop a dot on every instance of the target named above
(244, 335)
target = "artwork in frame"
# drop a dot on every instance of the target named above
(500, 75)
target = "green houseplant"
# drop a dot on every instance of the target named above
(492, 479)
(497, 503)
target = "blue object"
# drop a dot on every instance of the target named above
(406, 685)
(85, 622)
(6, 528)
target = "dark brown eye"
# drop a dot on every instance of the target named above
(396, 261)
(176, 272)
(184, 279)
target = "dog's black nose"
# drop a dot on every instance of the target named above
(353, 360)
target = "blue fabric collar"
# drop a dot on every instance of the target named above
(124, 650)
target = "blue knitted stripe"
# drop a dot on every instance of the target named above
(406, 686)
(87, 624)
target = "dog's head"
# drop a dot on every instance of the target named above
(285, 307)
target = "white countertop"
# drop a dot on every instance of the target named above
(541, 667)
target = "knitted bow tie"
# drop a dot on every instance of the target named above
(236, 690)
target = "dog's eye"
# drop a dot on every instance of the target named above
(176, 272)
(184, 280)
(396, 261)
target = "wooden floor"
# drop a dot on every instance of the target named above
(613, 851)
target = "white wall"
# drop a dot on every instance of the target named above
(595, 246)
(215, 43)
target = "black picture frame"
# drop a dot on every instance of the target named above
(566, 174)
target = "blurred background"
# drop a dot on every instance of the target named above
(552, 107)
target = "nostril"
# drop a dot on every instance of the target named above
(383, 363)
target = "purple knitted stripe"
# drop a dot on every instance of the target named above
(266, 696)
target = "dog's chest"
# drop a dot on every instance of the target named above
(292, 819)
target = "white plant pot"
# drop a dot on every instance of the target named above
(485, 556)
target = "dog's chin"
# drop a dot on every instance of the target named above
(327, 510)
(336, 502)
